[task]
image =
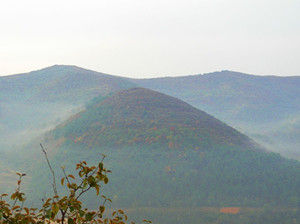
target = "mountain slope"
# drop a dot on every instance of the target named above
(60, 83)
(148, 115)
(34, 102)
(234, 95)
(165, 153)
(263, 107)
(256, 105)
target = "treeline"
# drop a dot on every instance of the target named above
(161, 177)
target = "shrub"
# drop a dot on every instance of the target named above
(65, 208)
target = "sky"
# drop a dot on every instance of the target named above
(151, 38)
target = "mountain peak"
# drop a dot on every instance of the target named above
(64, 68)
(228, 73)
(149, 103)
(136, 115)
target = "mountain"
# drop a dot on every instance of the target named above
(32, 103)
(35, 102)
(263, 107)
(59, 83)
(141, 115)
(234, 95)
(165, 153)
(167, 157)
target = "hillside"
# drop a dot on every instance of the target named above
(59, 83)
(260, 106)
(144, 116)
(166, 153)
(263, 107)
(33, 102)
(234, 95)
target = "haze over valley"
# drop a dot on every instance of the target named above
(163, 112)
(266, 108)
(223, 139)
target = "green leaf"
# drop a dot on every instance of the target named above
(89, 216)
(71, 221)
(54, 209)
(100, 166)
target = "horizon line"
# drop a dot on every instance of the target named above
(158, 77)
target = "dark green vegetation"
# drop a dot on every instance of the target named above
(165, 153)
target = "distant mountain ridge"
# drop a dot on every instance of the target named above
(60, 83)
(265, 108)
(235, 94)
(33, 102)
(260, 106)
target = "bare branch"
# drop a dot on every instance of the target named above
(52, 171)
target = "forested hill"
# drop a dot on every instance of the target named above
(263, 107)
(159, 146)
(141, 115)
(233, 95)
(266, 108)
(59, 83)
(33, 102)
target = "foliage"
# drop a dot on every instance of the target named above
(65, 208)
(139, 116)
(147, 177)
(266, 108)
(175, 149)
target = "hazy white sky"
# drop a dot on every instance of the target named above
(149, 38)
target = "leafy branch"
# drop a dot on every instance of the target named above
(66, 208)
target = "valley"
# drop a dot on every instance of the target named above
(182, 146)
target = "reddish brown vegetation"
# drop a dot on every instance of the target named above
(230, 210)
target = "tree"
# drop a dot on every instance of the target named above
(65, 208)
